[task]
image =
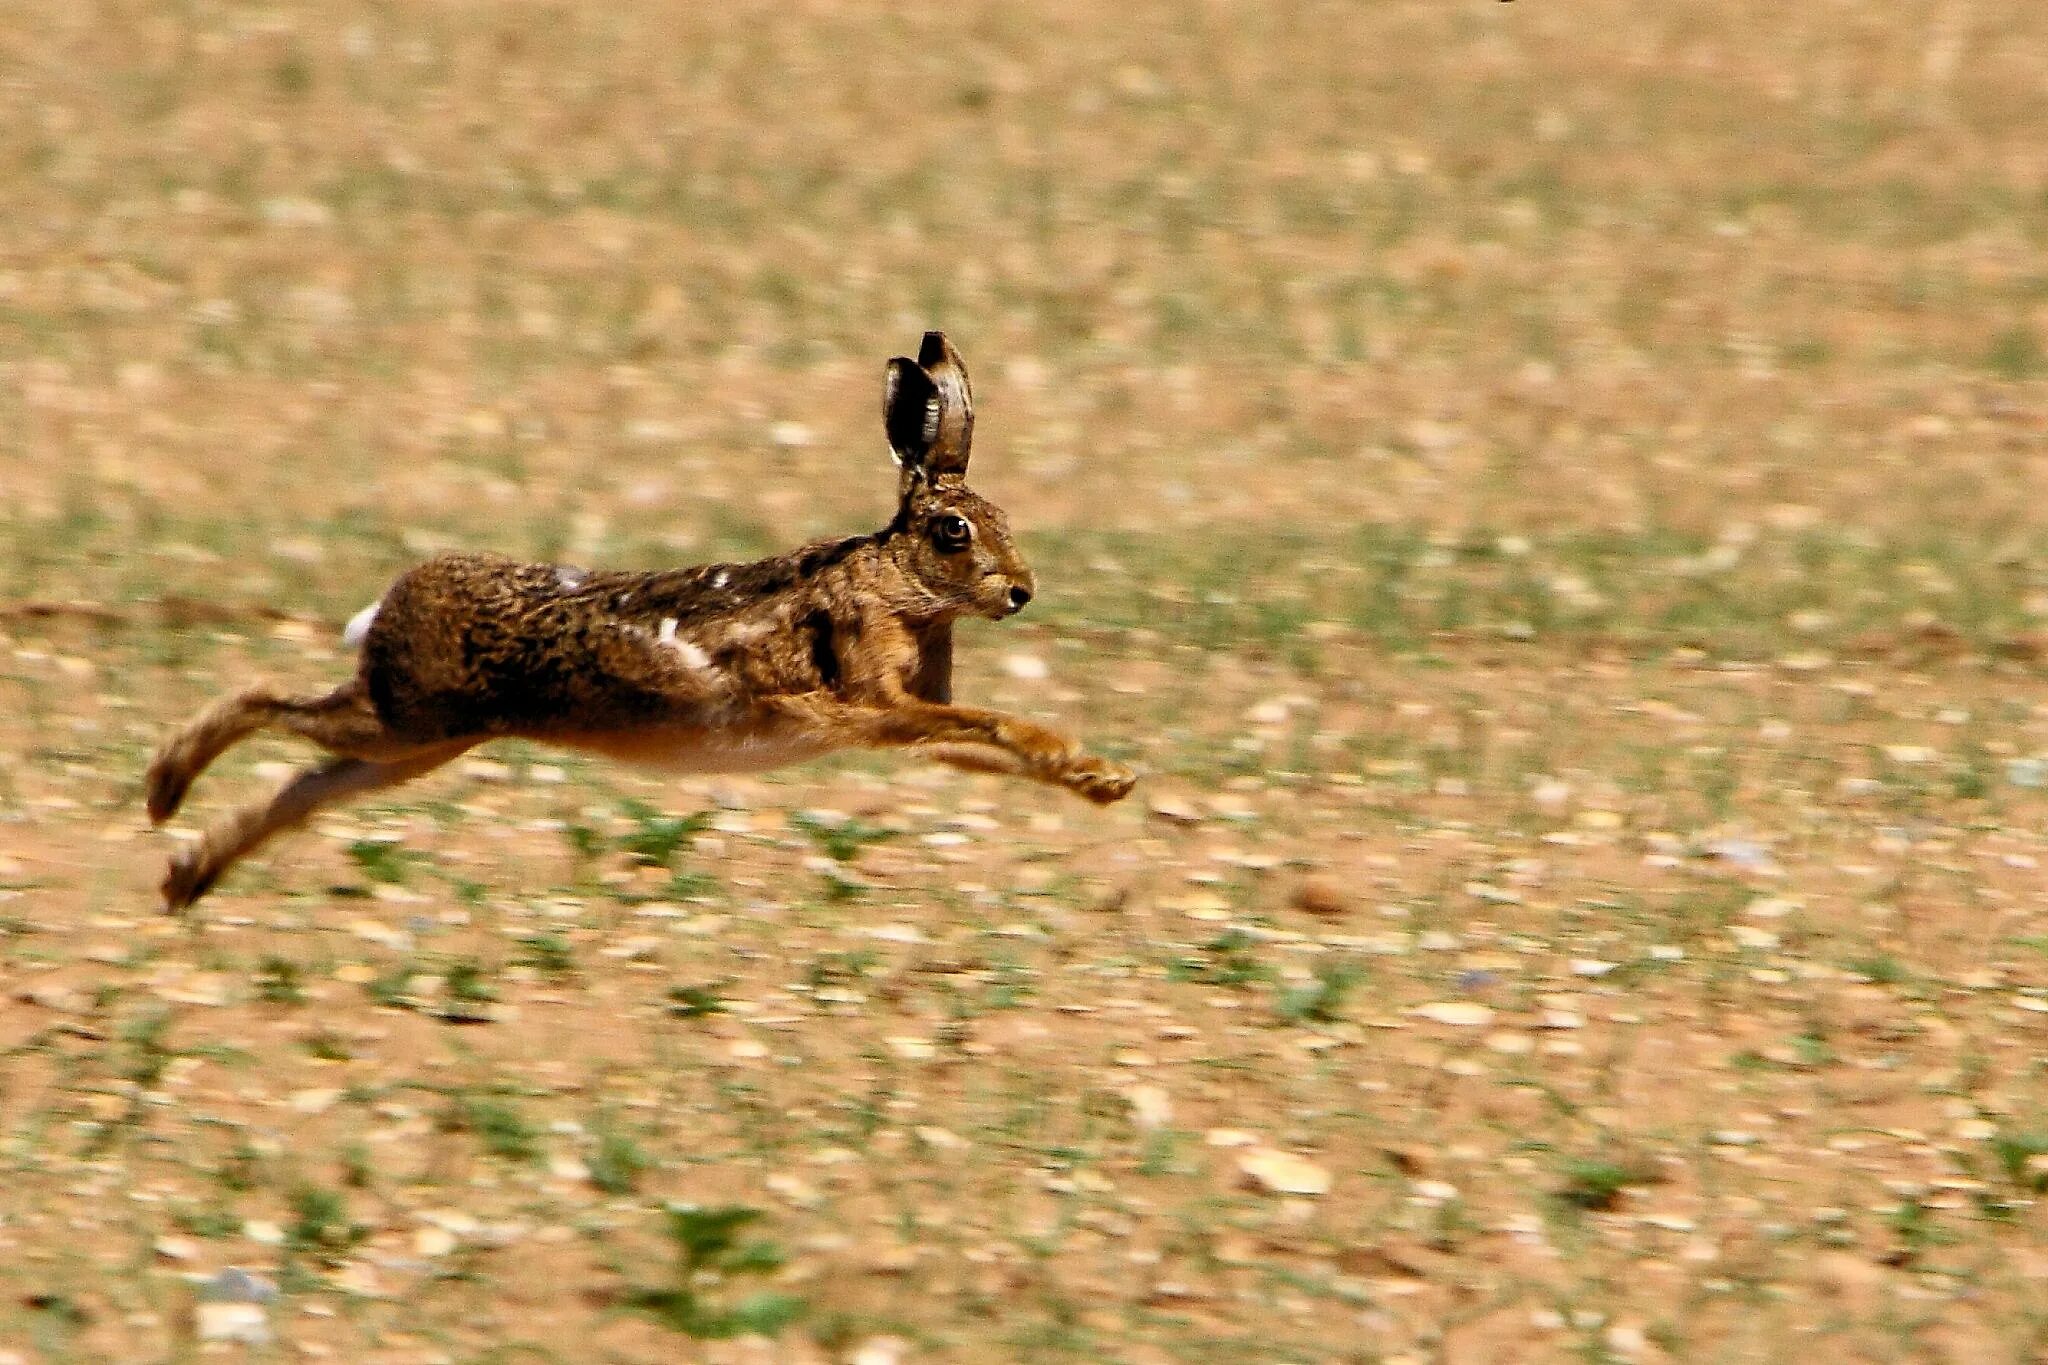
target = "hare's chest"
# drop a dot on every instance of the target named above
(721, 752)
(706, 750)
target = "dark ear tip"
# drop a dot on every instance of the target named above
(906, 402)
(933, 349)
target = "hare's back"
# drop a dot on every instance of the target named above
(480, 645)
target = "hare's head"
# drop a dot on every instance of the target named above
(953, 543)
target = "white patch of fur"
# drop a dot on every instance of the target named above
(358, 628)
(571, 577)
(693, 654)
(745, 631)
(720, 579)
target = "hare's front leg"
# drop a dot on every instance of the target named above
(968, 737)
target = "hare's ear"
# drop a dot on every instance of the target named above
(953, 441)
(910, 412)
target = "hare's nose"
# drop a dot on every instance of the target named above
(1018, 598)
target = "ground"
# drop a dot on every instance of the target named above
(1550, 494)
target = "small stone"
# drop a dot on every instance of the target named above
(1175, 809)
(263, 1232)
(246, 1323)
(176, 1248)
(1150, 1106)
(1205, 906)
(1627, 1339)
(57, 998)
(373, 932)
(1277, 1172)
(1456, 1013)
(912, 1049)
(1591, 967)
(1323, 896)
(1027, 667)
(236, 1285)
(454, 1220)
(1744, 853)
(433, 1241)
(880, 1351)
(1273, 711)
(358, 1278)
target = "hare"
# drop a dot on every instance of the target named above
(718, 668)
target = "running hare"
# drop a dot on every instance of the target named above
(724, 667)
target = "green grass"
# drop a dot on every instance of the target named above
(496, 1123)
(1276, 592)
(1650, 593)
(706, 1243)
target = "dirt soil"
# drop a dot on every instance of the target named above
(1550, 494)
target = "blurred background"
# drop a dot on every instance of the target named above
(290, 295)
(1551, 493)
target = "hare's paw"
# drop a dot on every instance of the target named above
(164, 788)
(1101, 780)
(187, 879)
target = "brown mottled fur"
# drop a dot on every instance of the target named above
(840, 644)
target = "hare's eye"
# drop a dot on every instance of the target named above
(951, 533)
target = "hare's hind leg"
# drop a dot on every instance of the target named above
(194, 871)
(342, 721)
